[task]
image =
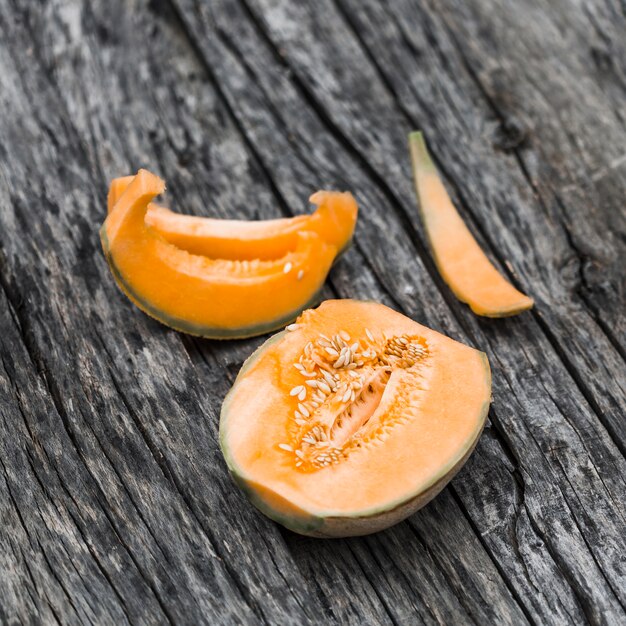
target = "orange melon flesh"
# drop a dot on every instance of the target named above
(423, 428)
(460, 260)
(334, 221)
(208, 297)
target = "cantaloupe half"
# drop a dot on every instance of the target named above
(210, 297)
(352, 418)
(334, 221)
(460, 260)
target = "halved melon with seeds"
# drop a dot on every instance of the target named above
(352, 418)
(333, 220)
(460, 260)
(210, 297)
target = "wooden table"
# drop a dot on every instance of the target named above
(115, 503)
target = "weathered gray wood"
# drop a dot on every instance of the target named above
(115, 502)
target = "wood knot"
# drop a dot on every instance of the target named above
(602, 58)
(510, 134)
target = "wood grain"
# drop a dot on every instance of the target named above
(115, 503)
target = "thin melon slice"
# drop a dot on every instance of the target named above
(352, 418)
(333, 220)
(460, 260)
(217, 298)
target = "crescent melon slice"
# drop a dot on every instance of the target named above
(210, 297)
(460, 260)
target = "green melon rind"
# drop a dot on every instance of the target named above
(422, 161)
(330, 524)
(190, 328)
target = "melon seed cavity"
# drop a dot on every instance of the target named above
(343, 383)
